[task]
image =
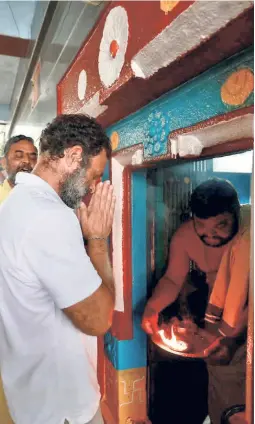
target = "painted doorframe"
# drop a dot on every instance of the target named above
(125, 380)
(140, 141)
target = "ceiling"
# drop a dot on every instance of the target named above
(16, 19)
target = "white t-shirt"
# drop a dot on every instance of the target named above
(48, 367)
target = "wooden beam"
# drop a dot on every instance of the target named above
(14, 46)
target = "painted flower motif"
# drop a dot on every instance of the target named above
(149, 150)
(113, 46)
(157, 147)
(115, 139)
(156, 132)
(82, 85)
(166, 5)
(238, 87)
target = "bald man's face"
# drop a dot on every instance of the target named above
(22, 156)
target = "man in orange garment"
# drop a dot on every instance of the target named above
(217, 225)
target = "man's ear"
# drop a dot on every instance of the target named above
(3, 162)
(73, 155)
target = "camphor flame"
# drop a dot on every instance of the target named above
(173, 343)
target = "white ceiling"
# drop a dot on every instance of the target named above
(8, 71)
(16, 18)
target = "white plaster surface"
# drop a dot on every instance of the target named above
(199, 22)
(93, 107)
(137, 158)
(192, 143)
(117, 233)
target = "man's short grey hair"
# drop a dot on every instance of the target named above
(14, 140)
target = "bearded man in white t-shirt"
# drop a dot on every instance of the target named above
(56, 297)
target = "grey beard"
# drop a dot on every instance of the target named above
(72, 191)
(12, 178)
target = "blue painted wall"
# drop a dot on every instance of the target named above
(106, 174)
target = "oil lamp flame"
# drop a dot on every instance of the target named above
(173, 343)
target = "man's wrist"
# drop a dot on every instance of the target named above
(96, 238)
(229, 342)
(98, 244)
(151, 305)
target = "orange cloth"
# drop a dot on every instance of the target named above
(228, 301)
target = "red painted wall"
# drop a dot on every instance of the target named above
(146, 20)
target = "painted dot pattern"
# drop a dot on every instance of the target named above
(115, 140)
(237, 87)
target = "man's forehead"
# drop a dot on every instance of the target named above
(24, 146)
(221, 217)
(98, 162)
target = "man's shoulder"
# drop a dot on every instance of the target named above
(5, 189)
(245, 217)
(51, 225)
(55, 212)
(37, 211)
(185, 229)
(185, 233)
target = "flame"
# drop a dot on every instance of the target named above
(173, 343)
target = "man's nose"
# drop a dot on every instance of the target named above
(210, 233)
(92, 188)
(27, 163)
(93, 185)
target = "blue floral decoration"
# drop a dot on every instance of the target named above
(156, 131)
